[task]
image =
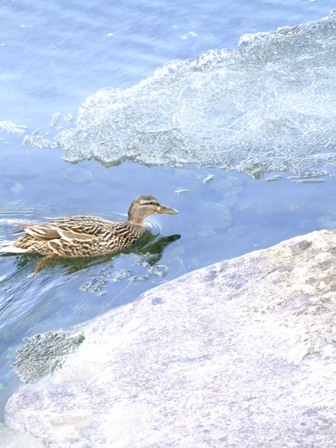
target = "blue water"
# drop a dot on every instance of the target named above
(53, 56)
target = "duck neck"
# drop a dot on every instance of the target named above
(136, 220)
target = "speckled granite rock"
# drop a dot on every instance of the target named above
(14, 439)
(238, 354)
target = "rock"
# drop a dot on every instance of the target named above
(238, 354)
(12, 439)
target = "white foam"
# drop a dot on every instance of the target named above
(269, 105)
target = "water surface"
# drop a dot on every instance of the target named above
(54, 56)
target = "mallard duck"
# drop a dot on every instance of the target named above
(86, 236)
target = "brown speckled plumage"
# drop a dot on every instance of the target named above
(86, 236)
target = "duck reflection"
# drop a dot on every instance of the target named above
(149, 246)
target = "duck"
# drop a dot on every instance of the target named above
(86, 236)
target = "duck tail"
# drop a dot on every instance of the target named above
(11, 249)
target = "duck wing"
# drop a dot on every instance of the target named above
(84, 228)
(21, 224)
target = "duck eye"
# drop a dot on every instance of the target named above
(150, 203)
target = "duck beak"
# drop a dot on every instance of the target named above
(163, 210)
